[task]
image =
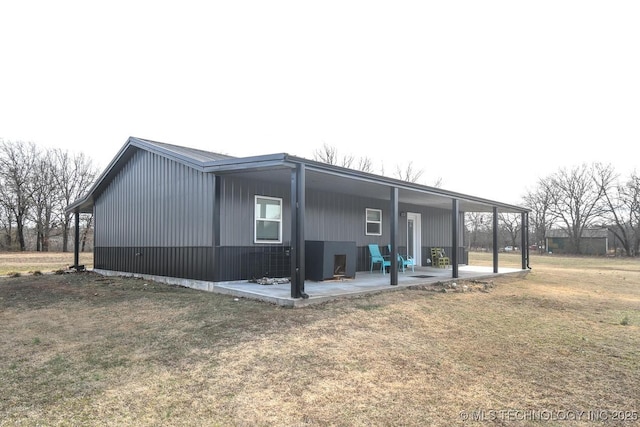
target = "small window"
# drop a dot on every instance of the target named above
(374, 222)
(268, 226)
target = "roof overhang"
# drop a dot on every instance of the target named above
(324, 177)
(320, 176)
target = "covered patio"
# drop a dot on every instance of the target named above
(364, 283)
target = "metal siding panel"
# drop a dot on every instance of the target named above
(237, 210)
(337, 217)
(156, 202)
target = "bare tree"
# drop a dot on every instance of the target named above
(477, 226)
(408, 173)
(631, 196)
(365, 164)
(575, 200)
(6, 223)
(17, 163)
(510, 224)
(45, 197)
(622, 211)
(539, 201)
(329, 154)
(75, 174)
(326, 154)
(88, 220)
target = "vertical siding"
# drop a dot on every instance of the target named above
(156, 202)
(342, 218)
(329, 216)
(238, 205)
(339, 217)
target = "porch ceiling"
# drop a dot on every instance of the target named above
(328, 182)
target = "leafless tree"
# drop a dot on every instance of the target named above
(75, 174)
(365, 164)
(17, 164)
(631, 196)
(477, 225)
(6, 224)
(329, 154)
(575, 200)
(326, 154)
(622, 210)
(408, 173)
(45, 197)
(88, 220)
(539, 201)
(510, 224)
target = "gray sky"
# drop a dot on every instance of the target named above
(487, 95)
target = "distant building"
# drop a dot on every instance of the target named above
(594, 241)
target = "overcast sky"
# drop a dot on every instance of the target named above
(487, 95)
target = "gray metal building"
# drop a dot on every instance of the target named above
(173, 211)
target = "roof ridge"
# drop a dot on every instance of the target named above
(177, 148)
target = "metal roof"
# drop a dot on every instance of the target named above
(193, 153)
(322, 176)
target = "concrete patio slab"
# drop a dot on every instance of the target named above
(364, 283)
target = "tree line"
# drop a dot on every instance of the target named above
(36, 185)
(573, 200)
(587, 196)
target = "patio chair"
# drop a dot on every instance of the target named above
(405, 262)
(376, 257)
(439, 258)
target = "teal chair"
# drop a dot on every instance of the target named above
(405, 262)
(376, 257)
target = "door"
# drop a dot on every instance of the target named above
(414, 237)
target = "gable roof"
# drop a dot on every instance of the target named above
(192, 157)
(185, 152)
(211, 162)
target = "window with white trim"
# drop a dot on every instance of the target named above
(268, 220)
(374, 222)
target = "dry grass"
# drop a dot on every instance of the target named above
(84, 350)
(30, 262)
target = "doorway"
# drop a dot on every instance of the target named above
(414, 237)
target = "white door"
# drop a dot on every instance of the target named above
(414, 237)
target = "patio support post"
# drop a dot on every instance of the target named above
(394, 236)
(495, 239)
(297, 231)
(455, 224)
(216, 227)
(76, 246)
(524, 237)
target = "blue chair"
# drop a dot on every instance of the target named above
(405, 262)
(376, 257)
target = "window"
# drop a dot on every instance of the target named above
(268, 227)
(374, 222)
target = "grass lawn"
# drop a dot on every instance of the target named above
(80, 349)
(44, 262)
